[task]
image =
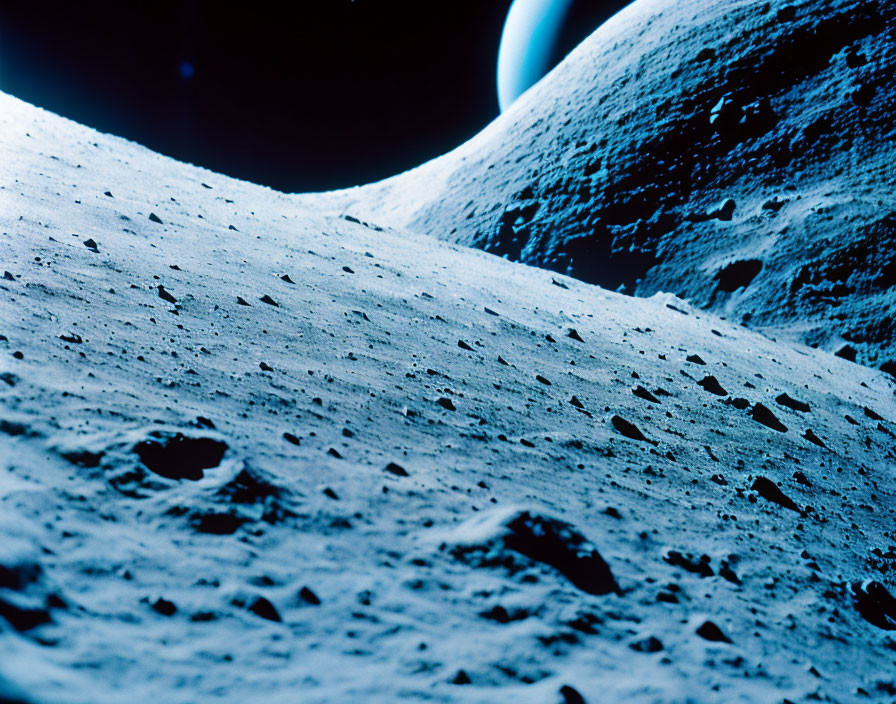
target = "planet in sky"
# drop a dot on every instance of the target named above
(538, 34)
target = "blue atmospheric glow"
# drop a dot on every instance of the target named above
(187, 71)
(528, 43)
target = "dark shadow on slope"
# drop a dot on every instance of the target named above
(876, 605)
(556, 544)
(177, 456)
(739, 274)
(501, 539)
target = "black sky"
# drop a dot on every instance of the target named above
(300, 96)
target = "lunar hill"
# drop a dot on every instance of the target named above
(739, 154)
(250, 451)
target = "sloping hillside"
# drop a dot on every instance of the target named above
(250, 451)
(736, 153)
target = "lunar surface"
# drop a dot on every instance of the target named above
(267, 447)
(739, 154)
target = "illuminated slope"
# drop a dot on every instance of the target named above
(736, 153)
(251, 452)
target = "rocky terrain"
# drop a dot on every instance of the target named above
(253, 451)
(736, 153)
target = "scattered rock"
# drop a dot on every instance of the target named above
(270, 301)
(18, 569)
(869, 413)
(643, 393)
(770, 491)
(629, 430)
(25, 600)
(491, 539)
(762, 414)
(739, 403)
(309, 597)
(165, 295)
(23, 613)
(711, 632)
(155, 218)
(875, 604)
(712, 385)
(540, 379)
(813, 438)
(216, 523)
(792, 403)
(848, 353)
(697, 565)
(251, 487)
(461, 678)
(464, 346)
(263, 608)
(446, 403)
(651, 644)
(726, 571)
(695, 359)
(91, 245)
(164, 607)
(801, 479)
(80, 456)
(396, 469)
(571, 695)
(501, 615)
(574, 335)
